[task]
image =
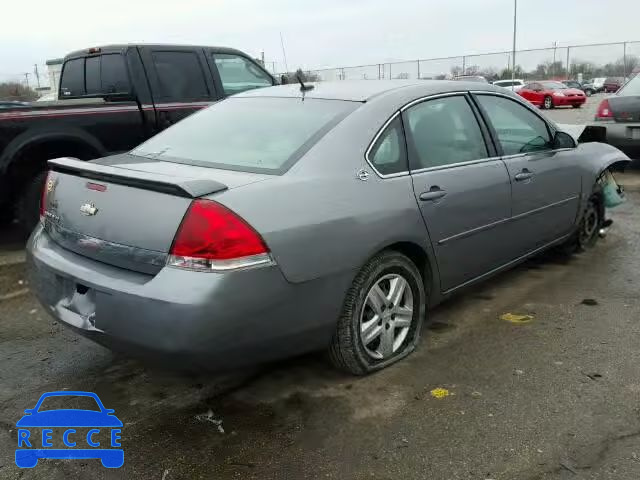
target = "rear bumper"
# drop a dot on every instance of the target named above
(235, 318)
(622, 136)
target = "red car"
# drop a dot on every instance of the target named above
(548, 94)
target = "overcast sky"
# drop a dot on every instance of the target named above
(320, 33)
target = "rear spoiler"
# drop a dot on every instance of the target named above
(181, 187)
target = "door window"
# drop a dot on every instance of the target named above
(238, 73)
(444, 131)
(180, 76)
(72, 81)
(388, 154)
(518, 129)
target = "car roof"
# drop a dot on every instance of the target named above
(366, 90)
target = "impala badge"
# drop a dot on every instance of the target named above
(88, 209)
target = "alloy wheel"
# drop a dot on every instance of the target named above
(386, 316)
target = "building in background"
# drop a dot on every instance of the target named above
(54, 67)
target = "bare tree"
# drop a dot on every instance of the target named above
(17, 91)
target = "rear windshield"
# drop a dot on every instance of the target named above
(632, 87)
(259, 134)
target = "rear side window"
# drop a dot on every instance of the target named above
(72, 81)
(181, 76)
(239, 74)
(518, 129)
(388, 155)
(444, 131)
(113, 74)
(256, 134)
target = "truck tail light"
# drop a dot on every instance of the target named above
(604, 111)
(213, 238)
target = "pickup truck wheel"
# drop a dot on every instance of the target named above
(28, 207)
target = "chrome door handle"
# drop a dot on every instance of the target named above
(523, 175)
(433, 194)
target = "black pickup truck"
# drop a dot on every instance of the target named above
(111, 99)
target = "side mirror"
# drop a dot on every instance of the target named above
(109, 411)
(29, 411)
(284, 79)
(563, 140)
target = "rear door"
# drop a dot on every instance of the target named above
(118, 124)
(545, 185)
(180, 82)
(462, 189)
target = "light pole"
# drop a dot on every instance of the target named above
(513, 53)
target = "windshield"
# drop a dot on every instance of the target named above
(258, 134)
(632, 87)
(553, 85)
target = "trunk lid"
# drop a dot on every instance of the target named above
(125, 210)
(625, 108)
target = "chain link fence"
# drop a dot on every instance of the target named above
(562, 62)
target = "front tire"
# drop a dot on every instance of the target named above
(547, 103)
(576, 105)
(588, 230)
(381, 316)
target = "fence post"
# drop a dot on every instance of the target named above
(624, 59)
(418, 61)
(342, 75)
(568, 50)
(464, 64)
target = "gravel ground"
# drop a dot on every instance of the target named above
(585, 114)
(556, 398)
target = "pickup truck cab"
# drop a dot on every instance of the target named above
(111, 99)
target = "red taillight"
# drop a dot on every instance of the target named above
(604, 111)
(46, 188)
(212, 237)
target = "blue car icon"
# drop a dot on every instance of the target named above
(31, 447)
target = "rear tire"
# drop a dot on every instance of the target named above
(28, 207)
(588, 93)
(547, 103)
(380, 321)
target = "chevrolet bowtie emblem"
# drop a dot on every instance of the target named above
(88, 209)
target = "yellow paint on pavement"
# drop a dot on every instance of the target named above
(515, 318)
(439, 393)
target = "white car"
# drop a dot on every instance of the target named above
(513, 85)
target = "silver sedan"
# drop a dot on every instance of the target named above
(297, 218)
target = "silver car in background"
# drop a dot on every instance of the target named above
(620, 114)
(513, 85)
(285, 220)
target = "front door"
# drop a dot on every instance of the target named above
(463, 194)
(545, 187)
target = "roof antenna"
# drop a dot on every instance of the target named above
(303, 87)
